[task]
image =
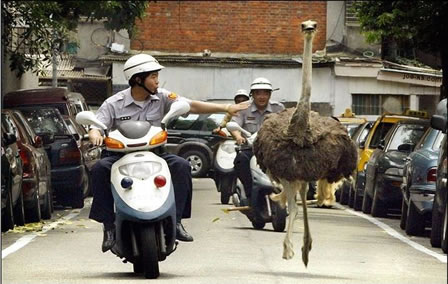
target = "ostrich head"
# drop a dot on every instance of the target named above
(309, 28)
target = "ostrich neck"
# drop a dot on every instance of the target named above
(300, 118)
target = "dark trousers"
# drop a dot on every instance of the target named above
(242, 168)
(103, 202)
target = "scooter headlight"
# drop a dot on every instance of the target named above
(140, 170)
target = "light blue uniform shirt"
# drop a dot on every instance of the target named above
(122, 107)
(251, 118)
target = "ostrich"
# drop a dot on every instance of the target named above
(297, 146)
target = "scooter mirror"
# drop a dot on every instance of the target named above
(177, 108)
(232, 126)
(89, 118)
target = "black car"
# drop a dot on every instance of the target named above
(11, 183)
(439, 226)
(384, 171)
(68, 172)
(90, 153)
(192, 138)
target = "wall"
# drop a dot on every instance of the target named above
(260, 27)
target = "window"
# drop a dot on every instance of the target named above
(373, 104)
(406, 134)
(350, 15)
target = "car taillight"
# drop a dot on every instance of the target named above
(432, 175)
(69, 156)
(26, 163)
(160, 181)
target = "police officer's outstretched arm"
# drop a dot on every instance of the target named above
(204, 107)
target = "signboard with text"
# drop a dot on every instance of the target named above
(415, 78)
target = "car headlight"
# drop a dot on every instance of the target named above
(394, 172)
(228, 148)
(140, 170)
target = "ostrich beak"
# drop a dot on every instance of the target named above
(309, 26)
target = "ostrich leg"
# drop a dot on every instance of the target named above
(290, 192)
(306, 233)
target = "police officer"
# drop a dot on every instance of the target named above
(142, 101)
(251, 119)
(240, 96)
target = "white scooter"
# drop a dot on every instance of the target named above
(267, 211)
(224, 174)
(145, 218)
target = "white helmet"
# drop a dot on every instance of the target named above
(241, 92)
(140, 63)
(261, 84)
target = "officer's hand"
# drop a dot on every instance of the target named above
(235, 108)
(95, 137)
(216, 130)
(240, 140)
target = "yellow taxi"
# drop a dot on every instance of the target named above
(376, 134)
(351, 121)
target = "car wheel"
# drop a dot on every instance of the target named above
(358, 201)
(345, 190)
(436, 226)
(46, 209)
(33, 214)
(198, 162)
(379, 207)
(404, 214)
(415, 225)
(78, 199)
(445, 232)
(86, 184)
(8, 216)
(366, 203)
(351, 197)
(19, 211)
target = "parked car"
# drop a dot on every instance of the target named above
(36, 182)
(90, 153)
(59, 98)
(350, 121)
(192, 138)
(68, 172)
(439, 225)
(379, 130)
(384, 171)
(11, 183)
(346, 190)
(419, 183)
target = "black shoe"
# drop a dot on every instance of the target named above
(108, 239)
(181, 234)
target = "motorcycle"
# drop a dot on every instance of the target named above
(224, 175)
(266, 210)
(145, 211)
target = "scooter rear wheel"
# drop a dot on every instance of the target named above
(278, 217)
(148, 252)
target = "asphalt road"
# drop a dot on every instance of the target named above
(348, 247)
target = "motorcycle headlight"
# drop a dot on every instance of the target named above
(394, 172)
(140, 170)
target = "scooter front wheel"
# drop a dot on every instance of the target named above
(278, 217)
(149, 261)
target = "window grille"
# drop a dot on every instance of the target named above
(374, 104)
(350, 15)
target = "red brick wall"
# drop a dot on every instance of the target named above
(263, 27)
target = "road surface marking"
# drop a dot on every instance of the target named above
(23, 241)
(441, 257)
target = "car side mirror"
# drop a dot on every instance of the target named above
(47, 138)
(362, 144)
(438, 122)
(38, 142)
(406, 147)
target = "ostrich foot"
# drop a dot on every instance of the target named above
(288, 251)
(307, 241)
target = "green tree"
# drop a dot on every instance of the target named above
(32, 29)
(423, 24)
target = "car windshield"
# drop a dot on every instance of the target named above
(45, 121)
(406, 134)
(351, 128)
(380, 133)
